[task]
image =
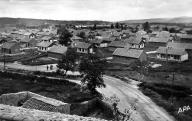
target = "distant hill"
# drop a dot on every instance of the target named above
(162, 20)
(31, 22)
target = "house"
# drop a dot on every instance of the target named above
(185, 38)
(136, 42)
(128, 56)
(118, 44)
(57, 51)
(155, 42)
(44, 46)
(172, 54)
(83, 47)
(47, 38)
(32, 35)
(28, 42)
(10, 47)
(186, 46)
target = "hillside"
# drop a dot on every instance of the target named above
(31, 22)
(162, 20)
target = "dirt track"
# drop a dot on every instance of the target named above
(146, 110)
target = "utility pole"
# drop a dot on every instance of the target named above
(172, 87)
(4, 59)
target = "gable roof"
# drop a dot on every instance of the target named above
(82, 45)
(171, 51)
(8, 45)
(130, 53)
(58, 49)
(44, 44)
(46, 38)
(135, 40)
(159, 39)
(180, 45)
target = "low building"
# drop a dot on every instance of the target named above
(136, 43)
(10, 47)
(128, 56)
(156, 42)
(27, 42)
(83, 47)
(44, 46)
(57, 51)
(172, 54)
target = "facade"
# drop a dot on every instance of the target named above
(172, 54)
(83, 47)
(128, 56)
(136, 43)
(44, 46)
(57, 51)
(10, 48)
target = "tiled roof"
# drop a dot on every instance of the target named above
(171, 51)
(130, 53)
(159, 39)
(180, 45)
(8, 45)
(44, 44)
(82, 45)
(58, 49)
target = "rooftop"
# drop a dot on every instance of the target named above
(131, 53)
(171, 51)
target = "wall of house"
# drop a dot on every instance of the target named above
(55, 55)
(103, 45)
(184, 57)
(15, 49)
(82, 50)
(172, 57)
(123, 60)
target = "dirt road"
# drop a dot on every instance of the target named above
(146, 110)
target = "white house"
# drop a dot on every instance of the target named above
(172, 54)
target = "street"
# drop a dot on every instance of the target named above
(146, 109)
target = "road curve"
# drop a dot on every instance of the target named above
(146, 109)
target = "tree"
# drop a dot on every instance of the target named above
(64, 36)
(68, 61)
(117, 25)
(112, 26)
(165, 28)
(82, 35)
(146, 26)
(93, 67)
(94, 26)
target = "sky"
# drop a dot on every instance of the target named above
(107, 10)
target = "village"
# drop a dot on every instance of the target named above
(155, 57)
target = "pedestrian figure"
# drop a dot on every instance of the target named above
(47, 67)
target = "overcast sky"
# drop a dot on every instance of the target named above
(110, 10)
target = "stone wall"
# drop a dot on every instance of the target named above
(12, 113)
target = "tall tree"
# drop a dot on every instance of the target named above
(82, 35)
(117, 25)
(64, 36)
(94, 26)
(112, 26)
(146, 26)
(93, 67)
(68, 61)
